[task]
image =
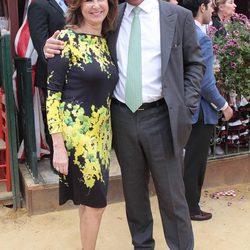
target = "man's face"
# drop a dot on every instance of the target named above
(135, 2)
(207, 16)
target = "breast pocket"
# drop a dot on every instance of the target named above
(176, 47)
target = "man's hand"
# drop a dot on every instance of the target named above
(216, 68)
(227, 113)
(53, 46)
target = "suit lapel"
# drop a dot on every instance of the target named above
(56, 6)
(167, 27)
(112, 39)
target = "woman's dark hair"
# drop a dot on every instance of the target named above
(75, 17)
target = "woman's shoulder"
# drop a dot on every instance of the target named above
(216, 22)
(66, 34)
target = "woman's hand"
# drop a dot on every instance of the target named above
(60, 158)
(53, 46)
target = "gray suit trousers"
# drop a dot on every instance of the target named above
(143, 145)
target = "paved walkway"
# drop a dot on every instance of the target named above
(228, 230)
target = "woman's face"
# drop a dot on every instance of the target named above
(94, 11)
(227, 9)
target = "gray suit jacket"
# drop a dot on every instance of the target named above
(182, 67)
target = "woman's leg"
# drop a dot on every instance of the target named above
(90, 220)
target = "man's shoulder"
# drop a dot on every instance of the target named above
(204, 40)
(173, 8)
(40, 4)
(199, 32)
(121, 7)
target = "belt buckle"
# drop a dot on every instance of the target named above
(140, 109)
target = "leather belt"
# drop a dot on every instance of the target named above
(144, 106)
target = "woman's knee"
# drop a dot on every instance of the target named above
(81, 210)
(90, 212)
(94, 212)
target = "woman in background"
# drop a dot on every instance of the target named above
(237, 132)
(223, 11)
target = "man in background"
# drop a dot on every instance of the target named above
(206, 117)
(44, 18)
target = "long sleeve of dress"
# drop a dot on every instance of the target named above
(58, 68)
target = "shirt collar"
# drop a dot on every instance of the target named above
(62, 5)
(198, 23)
(202, 27)
(146, 6)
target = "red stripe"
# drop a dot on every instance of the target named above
(23, 41)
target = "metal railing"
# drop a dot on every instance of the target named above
(26, 111)
(230, 139)
(6, 81)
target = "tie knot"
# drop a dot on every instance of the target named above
(136, 10)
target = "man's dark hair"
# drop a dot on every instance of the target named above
(194, 5)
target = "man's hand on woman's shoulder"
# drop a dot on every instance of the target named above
(53, 46)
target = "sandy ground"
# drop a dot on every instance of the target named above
(228, 230)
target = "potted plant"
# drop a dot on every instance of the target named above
(233, 54)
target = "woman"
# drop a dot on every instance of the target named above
(80, 82)
(223, 11)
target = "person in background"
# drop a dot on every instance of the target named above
(160, 68)
(1, 9)
(44, 18)
(80, 82)
(205, 118)
(223, 11)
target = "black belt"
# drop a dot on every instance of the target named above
(144, 106)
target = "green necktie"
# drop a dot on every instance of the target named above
(133, 93)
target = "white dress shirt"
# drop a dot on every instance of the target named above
(203, 27)
(151, 51)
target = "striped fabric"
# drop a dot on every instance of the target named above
(24, 48)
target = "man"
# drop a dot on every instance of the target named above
(150, 134)
(44, 18)
(205, 118)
